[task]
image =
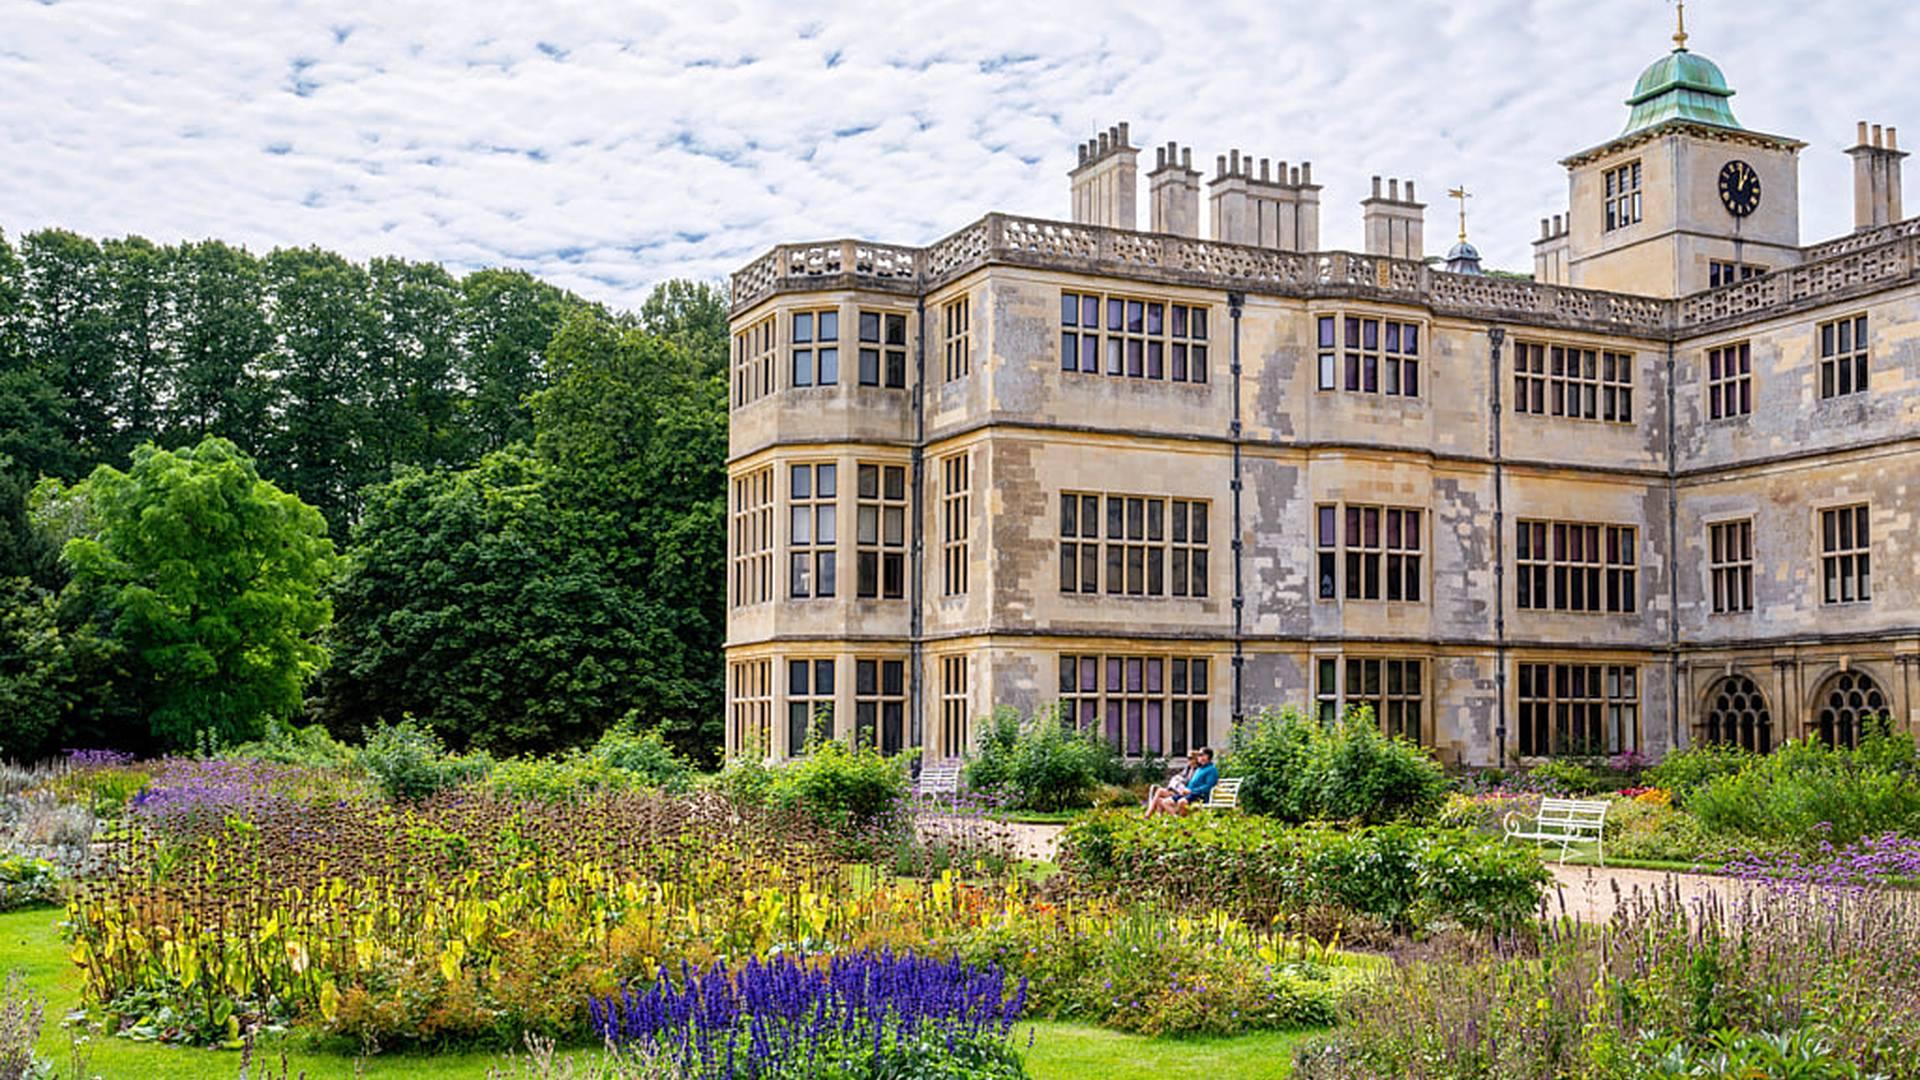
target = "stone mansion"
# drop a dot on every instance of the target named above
(1661, 493)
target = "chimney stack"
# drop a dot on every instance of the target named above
(1552, 250)
(1173, 192)
(1105, 184)
(1393, 226)
(1876, 176)
(1277, 206)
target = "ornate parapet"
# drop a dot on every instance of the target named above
(1841, 268)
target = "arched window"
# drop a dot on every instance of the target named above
(1737, 716)
(1847, 701)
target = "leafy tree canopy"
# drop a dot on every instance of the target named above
(214, 579)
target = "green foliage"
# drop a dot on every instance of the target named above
(25, 882)
(311, 746)
(214, 577)
(1264, 870)
(1806, 792)
(533, 600)
(1565, 777)
(1298, 769)
(844, 789)
(622, 760)
(1038, 764)
(1637, 830)
(50, 672)
(409, 762)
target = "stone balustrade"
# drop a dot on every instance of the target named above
(1835, 269)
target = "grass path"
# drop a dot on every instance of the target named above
(30, 941)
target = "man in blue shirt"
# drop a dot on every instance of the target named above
(1198, 787)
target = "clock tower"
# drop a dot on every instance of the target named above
(1685, 198)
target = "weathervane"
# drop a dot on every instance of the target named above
(1680, 31)
(1462, 194)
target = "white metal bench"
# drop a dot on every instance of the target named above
(942, 778)
(1224, 796)
(1565, 822)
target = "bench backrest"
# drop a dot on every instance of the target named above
(1226, 794)
(942, 779)
(1573, 813)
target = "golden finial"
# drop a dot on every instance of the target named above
(1680, 31)
(1462, 194)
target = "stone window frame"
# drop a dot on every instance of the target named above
(1620, 195)
(1724, 272)
(880, 530)
(753, 537)
(1337, 559)
(956, 705)
(754, 348)
(956, 521)
(1603, 697)
(1334, 690)
(1735, 712)
(1574, 382)
(881, 350)
(956, 320)
(1121, 341)
(810, 683)
(1555, 575)
(1163, 552)
(1347, 362)
(1843, 538)
(751, 704)
(1730, 565)
(880, 703)
(1844, 346)
(1730, 381)
(1099, 691)
(819, 552)
(1842, 703)
(818, 351)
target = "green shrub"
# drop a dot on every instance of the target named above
(409, 762)
(1263, 870)
(1040, 764)
(1298, 769)
(843, 789)
(1685, 771)
(622, 760)
(1560, 776)
(25, 882)
(311, 747)
(1637, 830)
(1805, 793)
(644, 755)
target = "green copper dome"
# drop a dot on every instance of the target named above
(1680, 86)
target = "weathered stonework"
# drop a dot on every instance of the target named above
(1262, 445)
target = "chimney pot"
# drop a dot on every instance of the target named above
(1083, 153)
(1376, 187)
(1893, 137)
(1160, 157)
(1876, 135)
(1103, 143)
(1306, 173)
(1410, 197)
(1861, 138)
(1295, 180)
(1264, 164)
(1220, 166)
(1122, 139)
(1393, 190)
(1186, 158)
(1543, 229)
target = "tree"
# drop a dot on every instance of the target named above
(506, 320)
(321, 327)
(214, 579)
(139, 318)
(218, 388)
(533, 600)
(414, 309)
(692, 315)
(67, 328)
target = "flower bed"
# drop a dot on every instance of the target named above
(1404, 876)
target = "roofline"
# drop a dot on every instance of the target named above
(1679, 125)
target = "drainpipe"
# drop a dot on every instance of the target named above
(1236, 305)
(916, 628)
(1673, 563)
(1496, 337)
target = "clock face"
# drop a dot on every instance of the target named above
(1739, 188)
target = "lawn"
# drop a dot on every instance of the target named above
(30, 941)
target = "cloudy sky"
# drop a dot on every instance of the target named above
(609, 145)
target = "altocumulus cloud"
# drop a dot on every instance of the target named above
(608, 146)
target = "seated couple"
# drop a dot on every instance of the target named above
(1189, 789)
